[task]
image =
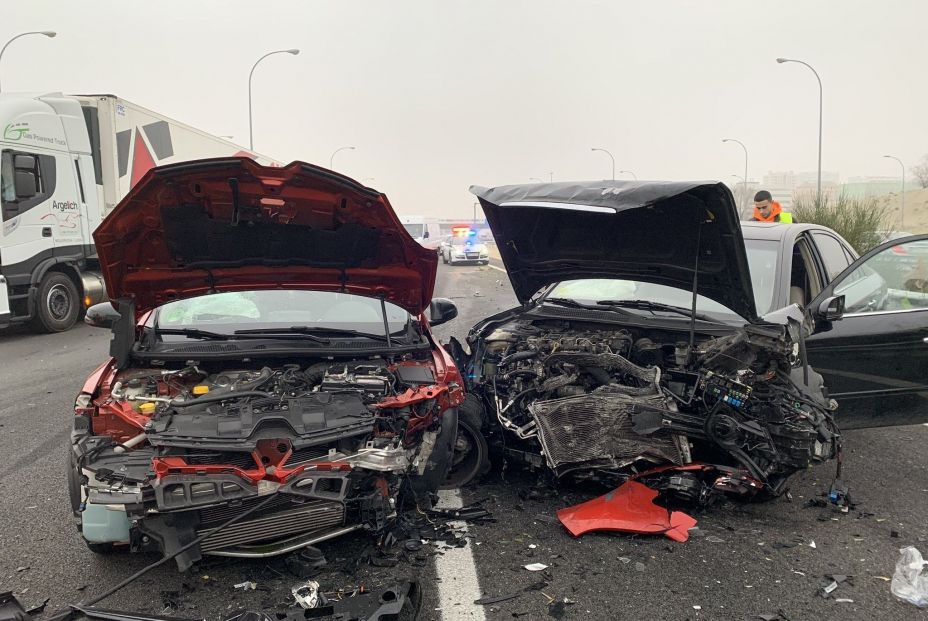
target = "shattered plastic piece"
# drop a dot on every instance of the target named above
(246, 586)
(307, 594)
(536, 567)
(714, 539)
(844, 600)
(811, 544)
(629, 508)
(483, 601)
(909, 583)
(696, 607)
(829, 588)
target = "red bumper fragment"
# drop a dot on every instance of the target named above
(629, 508)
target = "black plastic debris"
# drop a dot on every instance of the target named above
(558, 607)
(833, 580)
(11, 609)
(306, 562)
(484, 601)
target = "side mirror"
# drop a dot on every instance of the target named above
(25, 184)
(101, 315)
(442, 310)
(830, 309)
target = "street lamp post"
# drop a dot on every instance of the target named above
(902, 211)
(634, 176)
(47, 33)
(251, 137)
(745, 197)
(610, 157)
(332, 157)
(820, 98)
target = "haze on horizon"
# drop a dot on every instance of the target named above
(436, 96)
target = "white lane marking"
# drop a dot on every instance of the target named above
(496, 268)
(458, 585)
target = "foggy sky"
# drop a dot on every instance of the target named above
(439, 95)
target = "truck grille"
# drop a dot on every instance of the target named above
(280, 519)
(596, 431)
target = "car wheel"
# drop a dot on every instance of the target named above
(57, 304)
(484, 262)
(444, 258)
(471, 457)
(74, 483)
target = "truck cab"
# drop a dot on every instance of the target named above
(49, 207)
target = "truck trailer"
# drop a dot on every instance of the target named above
(65, 162)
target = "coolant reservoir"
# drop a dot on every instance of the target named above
(199, 389)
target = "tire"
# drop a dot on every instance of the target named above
(58, 304)
(74, 483)
(471, 458)
(444, 259)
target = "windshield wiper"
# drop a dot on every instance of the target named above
(575, 304)
(194, 333)
(310, 331)
(656, 306)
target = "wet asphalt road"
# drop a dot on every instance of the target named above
(748, 559)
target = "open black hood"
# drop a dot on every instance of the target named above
(647, 231)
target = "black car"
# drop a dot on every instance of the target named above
(638, 343)
(794, 263)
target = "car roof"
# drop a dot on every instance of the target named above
(775, 231)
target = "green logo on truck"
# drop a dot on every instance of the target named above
(15, 131)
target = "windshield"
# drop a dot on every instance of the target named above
(414, 230)
(762, 262)
(590, 291)
(227, 312)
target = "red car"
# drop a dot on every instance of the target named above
(273, 381)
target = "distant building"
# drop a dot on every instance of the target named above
(868, 187)
(787, 187)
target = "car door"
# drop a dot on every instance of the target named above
(875, 358)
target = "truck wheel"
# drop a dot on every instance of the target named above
(57, 305)
(471, 455)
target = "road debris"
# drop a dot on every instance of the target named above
(536, 567)
(307, 595)
(629, 508)
(306, 562)
(484, 601)
(246, 586)
(833, 581)
(909, 583)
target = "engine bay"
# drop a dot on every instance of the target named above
(601, 402)
(338, 440)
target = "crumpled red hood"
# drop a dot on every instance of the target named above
(231, 224)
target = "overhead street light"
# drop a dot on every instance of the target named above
(610, 157)
(901, 211)
(251, 137)
(48, 33)
(745, 197)
(332, 157)
(820, 97)
(634, 176)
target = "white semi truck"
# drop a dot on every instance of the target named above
(67, 160)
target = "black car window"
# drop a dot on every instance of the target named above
(42, 168)
(832, 253)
